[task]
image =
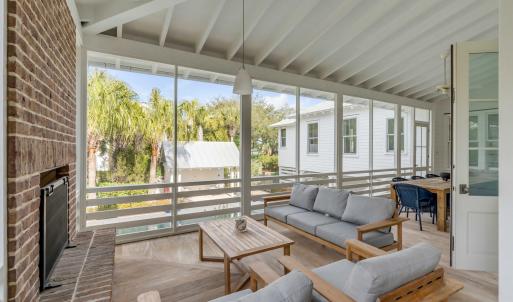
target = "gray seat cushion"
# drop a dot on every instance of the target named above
(335, 273)
(362, 210)
(308, 221)
(234, 296)
(303, 196)
(331, 201)
(293, 287)
(373, 277)
(338, 233)
(282, 211)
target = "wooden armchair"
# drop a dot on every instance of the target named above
(431, 287)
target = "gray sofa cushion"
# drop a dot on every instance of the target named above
(373, 277)
(335, 273)
(363, 210)
(233, 297)
(308, 221)
(331, 201)
(282, 211)
(293, 287)
(338, 233)
(303, 196)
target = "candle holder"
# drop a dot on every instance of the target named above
(241, 224)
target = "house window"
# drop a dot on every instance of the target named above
(391, 135)
(492, 131)
(283, 138)
(313, 138)
(350, 136)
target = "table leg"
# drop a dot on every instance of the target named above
(227, 276)
(200, 239)
(441, 211)
(286, 250)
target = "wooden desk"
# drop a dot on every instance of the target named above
(236, 245)
(434, 185)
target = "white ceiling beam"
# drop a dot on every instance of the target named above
(408, 15)
(165, 26)
(168, 56)
(211, 22)
(154, 68)
(437, 39)
(324, 26)
(286, 27)
(263, 6)
(353, 29)
(118, 63)
(129, 15)
(72, 6)
(421, 90)
(421, 78)
(423, 72)
(119, 31)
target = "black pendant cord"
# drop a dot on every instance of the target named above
(243, 37)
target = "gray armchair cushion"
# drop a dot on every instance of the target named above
(362, 210)
(293, 287)
(282, 211)
(308, 221)
(335, 273)
(373, 277)
(331, 201)
(303, 196)
(338, 233)
(233, 297)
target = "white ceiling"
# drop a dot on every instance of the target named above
(392, 46)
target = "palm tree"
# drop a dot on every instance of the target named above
(188, 112)
(157, 126)
(110, 110)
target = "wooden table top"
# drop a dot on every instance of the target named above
(258, 238)
(435, 183)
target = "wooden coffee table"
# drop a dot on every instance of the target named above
(236, 245)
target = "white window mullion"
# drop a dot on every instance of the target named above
(339, 141)
(398, 139)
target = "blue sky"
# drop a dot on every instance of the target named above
(205, 92)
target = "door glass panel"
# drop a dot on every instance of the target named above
(421, 149)
(483, 124)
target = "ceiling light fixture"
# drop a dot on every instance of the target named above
(444, 88)
(243, 84)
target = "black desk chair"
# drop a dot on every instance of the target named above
(417, 199)
(414, 177)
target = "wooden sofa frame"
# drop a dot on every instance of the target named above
(361, 230)
(431, 287)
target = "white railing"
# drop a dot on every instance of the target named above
(168, 208)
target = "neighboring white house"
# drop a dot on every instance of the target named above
(317, 138)
(201, 160)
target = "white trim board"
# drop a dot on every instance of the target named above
(157, 54)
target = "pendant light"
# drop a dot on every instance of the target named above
(243, 85)
(444, 88)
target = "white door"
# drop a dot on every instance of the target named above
(475, 220)
(421, 148)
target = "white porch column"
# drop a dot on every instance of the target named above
(505, 150)
(339, 142)
(81, 135)
(398, 128)
(245, 154)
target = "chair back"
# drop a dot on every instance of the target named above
(417, 177)
(408, 195)
(431, 175)
(424, 194)
(398, 179)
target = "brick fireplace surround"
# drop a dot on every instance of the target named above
(41, 127)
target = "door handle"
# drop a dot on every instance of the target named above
(463, 189)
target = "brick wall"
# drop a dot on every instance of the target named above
(41, 126)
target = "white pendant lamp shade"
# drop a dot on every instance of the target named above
(243, 84)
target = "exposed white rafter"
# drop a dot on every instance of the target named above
(129, 15)
(211, 22)
(326, 24)
(436, 39)
(165, 26)
(168, 56)
(154, 68)
(72, 6)
(408, 15)
(263, 6)
(286, 27)
(351, 31)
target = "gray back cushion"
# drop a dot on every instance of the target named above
(373, 277)
(331, 201)
(293, 287)
(362, 210)
(303, 196)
